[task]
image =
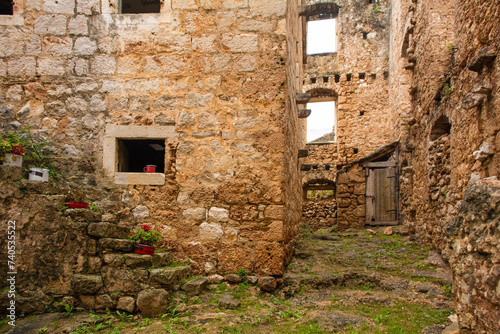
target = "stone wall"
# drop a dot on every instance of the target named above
(320, 213)
(213, 71)
(445, 104)
(351, 188)
(356, 77)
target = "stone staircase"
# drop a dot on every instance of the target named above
(115, 277)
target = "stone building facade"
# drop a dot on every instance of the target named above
(201, 89)
(214, 84)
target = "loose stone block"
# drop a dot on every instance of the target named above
(152, 302)
(211, 231)
(218, 214)
(169, 276)
(138, 260)
(196, 286)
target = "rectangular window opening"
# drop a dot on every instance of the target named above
(6, 7)
(135, 154)
(348, 76)
(139, 7)
(313, 80)
(321, 37)
(361, 76)
(325, 79)
(337, 78)
(321, 123)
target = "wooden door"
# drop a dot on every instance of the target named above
(381, 194)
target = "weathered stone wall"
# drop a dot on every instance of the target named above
(448, 127)
(215, 70)
(321, 153)
(362, 110)
(351, 188)
(320, 213)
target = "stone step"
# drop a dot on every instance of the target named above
(168, 277)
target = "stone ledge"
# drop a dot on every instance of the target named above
(155, 179)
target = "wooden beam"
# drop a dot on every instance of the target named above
(320, 8)
(305, 167)
(380, 164)
(327, 187)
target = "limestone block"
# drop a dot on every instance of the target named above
(274, 212)
(205, 43)
(485, 150)
(107, 230)
(125, 279)
(215, 279)
(267, 8)
(126, 304)
(241, 43)
(211, 231)
(234, 4)
(164, 120)
(76, 104)
(112, 87)
(140, 212)
(88, 302)
(152, 302)
(86, 284)
(344, 202)
(84, 46)
(169, 276)
(53, 67)
(275, 231)
(197, 214)
(255, 26)
(59, 7)
(165, 102)
(10, 46)
(88, 6)
(97, 104)
(113, 260)
(196, 286)
(246, 63)
(218, 214)
(103, 65)
(138, 260)
(50, 25)
(184, 4)
(22, 67)
(95, 264)
(78, 25)
(58, 46)
(196, 100)
(80, 66)
(123, 245)
(3, 68)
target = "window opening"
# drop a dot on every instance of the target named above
(135, 154)
(6, 7)
(313, 80)
(365, 35)
(321, 36)
(139, 7)
(325, 79)
(321, 122)
(373, 76)
(348, 76)
(361, 76)
(337, 78)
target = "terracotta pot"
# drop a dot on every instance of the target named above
(144, 249)
(76, 205)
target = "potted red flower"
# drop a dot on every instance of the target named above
(145, 239)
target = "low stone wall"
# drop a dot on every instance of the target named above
(351, 188)
(319, 213)
(474, 254)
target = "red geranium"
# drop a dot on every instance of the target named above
(17, 149)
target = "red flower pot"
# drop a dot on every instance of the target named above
(76, 205)
(144, 249)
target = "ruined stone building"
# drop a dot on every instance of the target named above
(216, 94)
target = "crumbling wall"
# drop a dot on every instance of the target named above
(444, 48)
(212, 76)
(357, 76)
(351, 201)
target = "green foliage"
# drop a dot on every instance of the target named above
(242, 273)
(145, 235)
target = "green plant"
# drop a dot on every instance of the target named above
(11, 143)
(43, 330)
(145, 235)
(242, 273)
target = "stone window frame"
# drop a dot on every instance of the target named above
(110, 152)
(114, 7)
(318, 11)
(17, 17)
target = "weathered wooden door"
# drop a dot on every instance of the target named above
(381, 193)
